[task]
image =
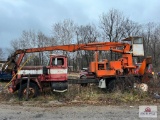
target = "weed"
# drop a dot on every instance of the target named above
(88, 95)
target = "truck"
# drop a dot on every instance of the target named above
(54, 75)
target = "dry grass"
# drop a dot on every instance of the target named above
(73, 75)
(91, 94)
(4, 94)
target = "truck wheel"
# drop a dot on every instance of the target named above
(83, 84)
(114, 85)
(33, 90)
(111, 85)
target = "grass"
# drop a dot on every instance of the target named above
(93, 95)
(77, 94)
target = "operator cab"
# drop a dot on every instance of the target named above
(137, 45)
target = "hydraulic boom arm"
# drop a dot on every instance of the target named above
(99, 46)
(120, 47)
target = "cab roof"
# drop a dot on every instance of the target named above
(130, 38)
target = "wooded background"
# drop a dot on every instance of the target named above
(112, 26)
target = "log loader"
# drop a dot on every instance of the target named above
(55, 77)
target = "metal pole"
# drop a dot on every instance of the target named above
(27, 92)
(20, 89)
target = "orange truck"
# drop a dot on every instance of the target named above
(54, 76)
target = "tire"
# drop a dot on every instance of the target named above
(83, 84)
(112, 85)
(33, 91)
(115, 85)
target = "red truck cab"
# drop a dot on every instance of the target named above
(53, 75)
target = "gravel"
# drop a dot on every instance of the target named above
(85, 112)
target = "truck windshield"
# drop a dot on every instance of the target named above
(138, 41)
(60, 61)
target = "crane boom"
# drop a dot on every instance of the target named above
(97, 46)
(119, 47)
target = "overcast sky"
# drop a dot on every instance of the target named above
(40, 15)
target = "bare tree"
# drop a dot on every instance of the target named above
(131, 28)
(86, 34)
(148, 36)
(151, 34)
(111, 25)
(63, 32)
(115, 26)
(30, 39)
(42, 41)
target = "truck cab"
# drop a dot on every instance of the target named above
(57, 69)
(53, 75)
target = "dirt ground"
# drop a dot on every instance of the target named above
(83, 112)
